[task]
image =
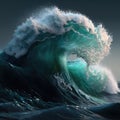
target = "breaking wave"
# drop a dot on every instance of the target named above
(37, 62)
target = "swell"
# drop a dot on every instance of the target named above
(59, 30)
(35, 73)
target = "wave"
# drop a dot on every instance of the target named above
(37, 62)
(53, 22)
(94, 75)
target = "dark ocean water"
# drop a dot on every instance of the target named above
(17, 106)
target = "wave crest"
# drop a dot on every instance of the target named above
(53, 22)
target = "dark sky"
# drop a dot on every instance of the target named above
(107, 12)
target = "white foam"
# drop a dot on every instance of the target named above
(111, 84)
(104, 77)
(51, 20)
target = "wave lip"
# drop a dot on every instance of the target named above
(70, 32)
(111, 85)
(53, 21)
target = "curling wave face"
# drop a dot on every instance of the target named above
(39, 52)
(75, 32)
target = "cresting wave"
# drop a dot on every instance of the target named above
(57, 22)
(55, 57)
(93, 42)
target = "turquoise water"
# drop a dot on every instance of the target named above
(37, 75)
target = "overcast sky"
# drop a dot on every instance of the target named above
(107, 12)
